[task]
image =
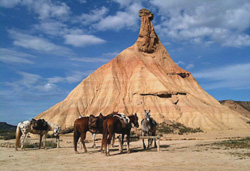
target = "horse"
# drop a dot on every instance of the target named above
(81, 126)
(114, 125)
(25, 127)
(148, 128)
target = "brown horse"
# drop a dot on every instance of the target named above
(81, 126)
(114, 125)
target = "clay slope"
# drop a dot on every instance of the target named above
(144, 76)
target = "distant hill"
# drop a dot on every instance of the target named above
(242, 107)
(6, 126)
(7, 131)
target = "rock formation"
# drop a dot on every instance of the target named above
(144, 76)
(242, 107)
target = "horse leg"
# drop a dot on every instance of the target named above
(22, 140)
(83, 136)
(121, 145)
(44, 141)
(128, 139)
(144, 146)
(76, 138)
(154, 134)
(93, 137)
(108, 142)
(149, 142)
(40, 142)
(113, 140)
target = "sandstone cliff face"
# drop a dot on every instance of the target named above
(144, 76)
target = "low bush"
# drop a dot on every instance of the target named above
(176, 128)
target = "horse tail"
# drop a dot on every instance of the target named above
(18, 135)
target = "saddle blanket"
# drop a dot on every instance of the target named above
(124, 119)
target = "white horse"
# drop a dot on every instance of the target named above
(26, 127)
(148, 128)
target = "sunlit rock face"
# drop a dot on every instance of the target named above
(141, 77)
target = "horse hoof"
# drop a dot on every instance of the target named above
(76, 152)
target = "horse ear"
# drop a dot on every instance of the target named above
(149, 111)
(145, 111)
(135, 114)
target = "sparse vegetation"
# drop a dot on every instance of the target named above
(49, 144)
(7, 134)
(239, 143)
(176, 128)
(50, 136)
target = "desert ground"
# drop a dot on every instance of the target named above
(178, 152)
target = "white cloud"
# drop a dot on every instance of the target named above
(28, 80)
(232, 76)
(205, 21)
(51, 27)
(123, 3)
(37, 43)
(111, 54)
(90, 60)
(180, 63)
(34, 82)
(94, 16)
(73, 77)
(82, 1)
(9, 3)
(189, 66)
(44, 8)
(82, 40)
(13, 56)
(122, 19)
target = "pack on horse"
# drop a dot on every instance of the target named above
(40, 127)
(90, 123)
(115, 124)
(148, 128)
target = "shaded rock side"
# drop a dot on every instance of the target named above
(144, 76)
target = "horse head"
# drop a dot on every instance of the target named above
(56, 131)
(147, 115)
(134, 119)
(101, 116)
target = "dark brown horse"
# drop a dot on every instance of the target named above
(114, 125)
(82, 125)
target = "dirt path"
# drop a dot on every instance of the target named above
(174, 155)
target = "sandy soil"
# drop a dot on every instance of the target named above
(187, 152)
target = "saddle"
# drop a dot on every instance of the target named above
(95, 124)
(40, 124)
(123, 119)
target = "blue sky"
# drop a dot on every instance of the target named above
(48, 47)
